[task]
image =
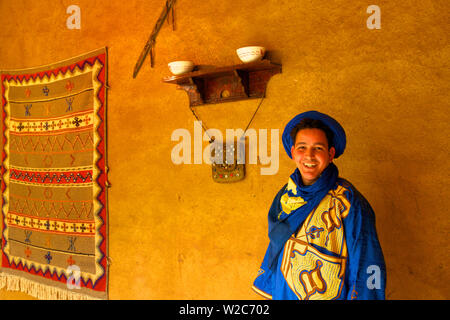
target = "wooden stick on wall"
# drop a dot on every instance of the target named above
(149, 46)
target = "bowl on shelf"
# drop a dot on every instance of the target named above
(180, 67)
(251, 54)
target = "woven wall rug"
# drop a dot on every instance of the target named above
(54, 214)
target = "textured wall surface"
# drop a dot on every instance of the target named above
(174, 233)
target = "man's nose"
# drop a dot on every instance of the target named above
(309, 153)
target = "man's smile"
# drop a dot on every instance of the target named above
(310, 164)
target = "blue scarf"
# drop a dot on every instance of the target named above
(297, 202)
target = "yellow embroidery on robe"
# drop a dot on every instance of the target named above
(289, 203)
(310, 273)
(328, 216)
(292, 187)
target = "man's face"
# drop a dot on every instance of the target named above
(311, 154)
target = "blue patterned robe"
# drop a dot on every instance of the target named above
(334, 252)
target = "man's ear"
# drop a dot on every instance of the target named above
(332, 153)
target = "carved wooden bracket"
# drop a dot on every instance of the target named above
(224, 84)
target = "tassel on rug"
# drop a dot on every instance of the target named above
(38, 290)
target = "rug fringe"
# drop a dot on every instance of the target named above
(39, 290)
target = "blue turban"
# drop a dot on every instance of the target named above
(339, 140)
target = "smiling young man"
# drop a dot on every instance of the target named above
(311, 151)
(323, 240)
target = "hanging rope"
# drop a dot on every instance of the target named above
(205, 128)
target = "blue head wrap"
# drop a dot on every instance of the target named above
(339, 140)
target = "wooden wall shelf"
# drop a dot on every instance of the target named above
(225, 84)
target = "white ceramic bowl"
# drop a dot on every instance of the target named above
(180, 67)
(251, 54)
